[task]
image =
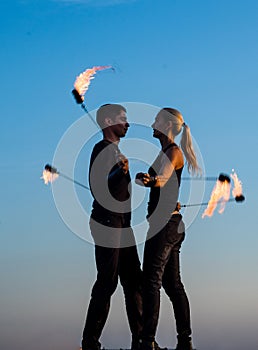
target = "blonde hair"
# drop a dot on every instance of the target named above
(186, 139)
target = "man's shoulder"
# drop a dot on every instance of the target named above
(101, 144)
(99, 147)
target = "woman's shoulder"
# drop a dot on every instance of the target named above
(172, 148)
(175, 154)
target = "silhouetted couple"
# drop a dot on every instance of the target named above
(115, 249)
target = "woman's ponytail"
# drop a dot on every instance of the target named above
(189, 153)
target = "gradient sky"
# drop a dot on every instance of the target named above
(198, 56)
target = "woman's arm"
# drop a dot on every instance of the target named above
(171, 160)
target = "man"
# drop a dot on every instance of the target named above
(115, 250)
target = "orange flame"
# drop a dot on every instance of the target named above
(82, 82)
(220, 194)
(47, 176)
(237, 190)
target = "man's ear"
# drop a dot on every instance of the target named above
(108, 121)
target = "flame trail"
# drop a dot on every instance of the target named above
(237, 190)
(82, 82)
(81, 85)
(220, 194)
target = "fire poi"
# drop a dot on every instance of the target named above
(50, 174)
(220, 194)
(81, 85)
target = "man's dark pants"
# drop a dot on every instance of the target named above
(113, 263)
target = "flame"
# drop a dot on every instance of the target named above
(82, 82)
(220, 194)
(237, 190)
(47, 176)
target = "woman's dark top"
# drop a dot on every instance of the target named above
(163, 200)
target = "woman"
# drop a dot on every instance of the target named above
(166, 230)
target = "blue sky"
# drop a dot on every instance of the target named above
(198, 56)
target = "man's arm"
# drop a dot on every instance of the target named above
(118, 171)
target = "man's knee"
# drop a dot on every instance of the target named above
(104, 290)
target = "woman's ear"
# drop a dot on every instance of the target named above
(169, 124)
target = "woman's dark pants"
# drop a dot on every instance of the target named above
(161, 268)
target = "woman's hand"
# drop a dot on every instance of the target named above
(143, 179)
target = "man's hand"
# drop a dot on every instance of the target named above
(123, 163)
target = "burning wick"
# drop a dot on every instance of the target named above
(240, 198)
(50, 174)
(77, 96)
(223, 178)
(81, 85)
(51, 169)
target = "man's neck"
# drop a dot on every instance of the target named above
(110, 137)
